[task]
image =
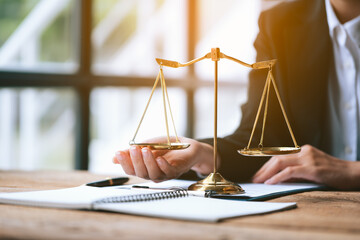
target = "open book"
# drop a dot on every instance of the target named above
(175, 204)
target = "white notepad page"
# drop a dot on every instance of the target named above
(196, 208)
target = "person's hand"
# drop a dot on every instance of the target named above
(313, 165)
(160, 165)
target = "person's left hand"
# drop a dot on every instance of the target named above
(313, 165)
(161, 165)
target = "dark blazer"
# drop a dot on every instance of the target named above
(296, 34)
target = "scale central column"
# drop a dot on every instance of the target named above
(215, 182)
(215, 56)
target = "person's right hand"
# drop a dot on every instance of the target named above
(160, 165)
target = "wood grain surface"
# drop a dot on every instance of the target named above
(320, 215)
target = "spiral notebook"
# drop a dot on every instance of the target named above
(174, 204)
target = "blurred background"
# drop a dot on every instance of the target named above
(75, 75)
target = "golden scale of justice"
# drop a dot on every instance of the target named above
(215, 182)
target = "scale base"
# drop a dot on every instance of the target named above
(162, 146)
(268, 151)
(215, 182)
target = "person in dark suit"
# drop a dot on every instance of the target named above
(304, 38)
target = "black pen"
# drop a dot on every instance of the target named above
(153, 188)
(109, 182)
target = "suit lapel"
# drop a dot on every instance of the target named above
(307, 52)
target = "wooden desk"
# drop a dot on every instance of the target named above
(320, 215)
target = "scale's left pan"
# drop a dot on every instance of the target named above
(162, 146)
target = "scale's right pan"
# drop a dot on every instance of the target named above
(268, 151)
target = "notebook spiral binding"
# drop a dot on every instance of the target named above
(175, 193)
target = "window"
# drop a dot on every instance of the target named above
(38, 36)
(75, 75)
(37, 128)
(127, 35)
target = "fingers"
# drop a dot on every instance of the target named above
(138, 162)
(142, 163)
(287, 174)
(153, 170)
(273, 166)
(165, 167)
(123, 158)
(289, 167)
(261, 170)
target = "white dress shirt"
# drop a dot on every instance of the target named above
(344, 87)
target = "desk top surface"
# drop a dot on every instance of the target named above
(320, 215)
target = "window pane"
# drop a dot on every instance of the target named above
(232, 26)
(38, 35)
(229, 113)
(115, 115)
(37, 128)
(128, 35)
